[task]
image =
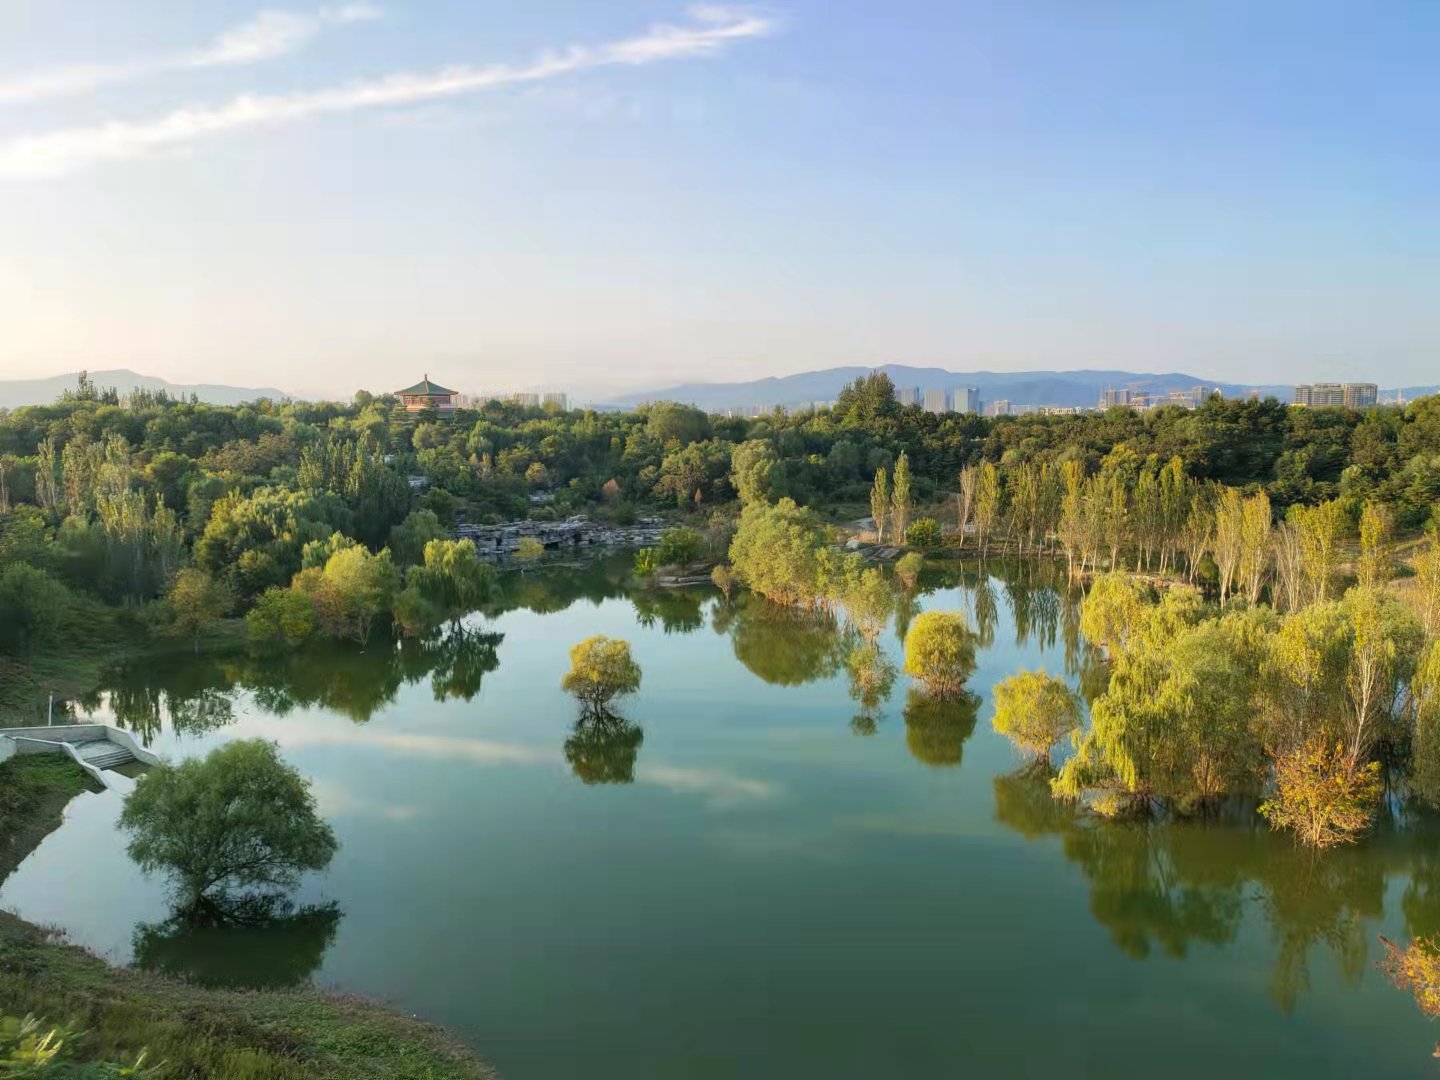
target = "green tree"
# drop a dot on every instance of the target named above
(239, 819)
(880, 503)
(940, 652)
(408, 539)
(901, 500)
(1377, 559)
(987, 504)
(724, 578)
(754, 471)
(776, 552)
(1035, 711)
(197, 601)
(32, 604)
(601, 669)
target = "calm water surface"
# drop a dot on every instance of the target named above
(749, 877)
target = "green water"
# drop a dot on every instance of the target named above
(748, 878)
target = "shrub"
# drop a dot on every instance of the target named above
(679, 546)
(647, 561)
(31, 607)
(601, 669)
(529, 549)
(940, 652)
(1320, 796)
(923, 534)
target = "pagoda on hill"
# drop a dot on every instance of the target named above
(427, 395)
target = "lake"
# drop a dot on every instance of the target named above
(750, 876)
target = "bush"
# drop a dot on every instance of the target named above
(924, 534)
(1320, 796)
(940, 652)
(679, 546)
(647, 561)
(601, 669)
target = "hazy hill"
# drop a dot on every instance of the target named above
(17, 392)
(1019, 387)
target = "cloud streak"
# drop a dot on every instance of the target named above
(270, 34)
(710, 30)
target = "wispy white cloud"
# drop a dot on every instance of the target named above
(710, 30)
(270, 34)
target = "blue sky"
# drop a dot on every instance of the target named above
(1244, 191)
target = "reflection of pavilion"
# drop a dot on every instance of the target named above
(427, 395)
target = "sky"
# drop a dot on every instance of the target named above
(602, 196)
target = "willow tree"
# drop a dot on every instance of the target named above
(880, 503)
(1035, 710)
(940, 652)
(900, 497)
(777, 552)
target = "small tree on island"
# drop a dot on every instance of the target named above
(601, 669)
(940, 652)
(239, 819)
(1035, 710)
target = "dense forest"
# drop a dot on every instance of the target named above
(179, 512)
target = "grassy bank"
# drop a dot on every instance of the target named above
(73, 670)
(193, 1033)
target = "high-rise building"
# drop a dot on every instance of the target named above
(1111, 397)
(908, 395)
(1000, 407)
(1304, 394)
(937, 401)
(1361, 395)
(967, 400)
(556, 398)
(1191, 397)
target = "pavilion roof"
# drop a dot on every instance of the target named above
(425, 386)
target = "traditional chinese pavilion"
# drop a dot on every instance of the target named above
(427, 395)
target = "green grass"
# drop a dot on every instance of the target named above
(193, 1033)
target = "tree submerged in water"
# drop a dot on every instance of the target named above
(601, 670)
(240, 819)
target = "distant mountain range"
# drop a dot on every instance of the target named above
(1065, 388)
(17, 392)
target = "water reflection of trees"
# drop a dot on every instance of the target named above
(197, 694)
(783, 646)
(678, 611)
(1172, 884)
(602, 748)
(251, 943)
(936, 728)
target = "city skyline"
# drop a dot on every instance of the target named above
(612, 197)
